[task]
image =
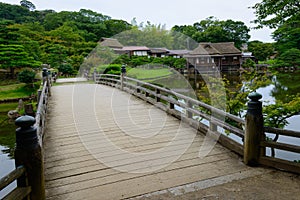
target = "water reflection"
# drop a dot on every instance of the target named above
(278, 86)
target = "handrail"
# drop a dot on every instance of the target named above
(31, 155)
(274, 144)
(42, 110)
(12, 176)
(194, 101)
(18, 193)
(284, 132)
(166, 99)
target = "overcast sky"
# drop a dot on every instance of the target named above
(169, 12)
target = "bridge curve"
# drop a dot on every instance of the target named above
(103, 143)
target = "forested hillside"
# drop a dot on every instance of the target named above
(29, 37)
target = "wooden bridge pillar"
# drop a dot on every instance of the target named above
(29, 154)
(254, 130)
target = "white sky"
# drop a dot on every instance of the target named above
(169, 12)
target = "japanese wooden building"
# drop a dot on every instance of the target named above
(215, 56)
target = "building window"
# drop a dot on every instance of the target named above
(212, 60)
(235, 58)
(140, 53)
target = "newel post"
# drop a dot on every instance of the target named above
(95, 75)
(254, 130)
(123, 72)
(29, 154)
(46, 78)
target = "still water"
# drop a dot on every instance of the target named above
(279, 86)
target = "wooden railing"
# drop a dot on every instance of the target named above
(19, 192)
(41, 112)
(29, 171)
(218, 121)
(274, 145)
(194, 110)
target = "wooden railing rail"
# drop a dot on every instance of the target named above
(252, 142)
(18, 193)
(29, 171)
(167, 100)
(41, 112)
(274, 145)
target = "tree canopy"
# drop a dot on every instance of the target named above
(261, 51)
(274, 13)
(214, 30)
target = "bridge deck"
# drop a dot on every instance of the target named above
(102, 143)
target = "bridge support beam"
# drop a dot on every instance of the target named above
(254, 130)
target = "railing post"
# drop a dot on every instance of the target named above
(123, 72)
(188, 113)
(49, 86)
(254, 130)
(39, 93)
(171, 106)
(157, 91)
(47, 79)
(45, 75)
(29, 153)
(137, 87)
(94, 75)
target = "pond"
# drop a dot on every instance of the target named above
(7, 144)
(279, 86)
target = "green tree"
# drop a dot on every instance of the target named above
(249, 63)
(287, 35)
(16, 13)
(213, 30)
(274, 13)
(180, 63)
(149, 35)
(15, 56)
(261, 51)
(26, 76)
(54, 54)
(115, 26)
(8, 35)
(66, 69)
(27, 4)
(276, 115)
(291, 57)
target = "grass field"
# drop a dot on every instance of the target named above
(141, 73)
(19, 90)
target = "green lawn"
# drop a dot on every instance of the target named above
(16, 91)
(140, 73)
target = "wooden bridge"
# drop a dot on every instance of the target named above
(103, 142)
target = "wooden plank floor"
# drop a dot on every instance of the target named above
(102, 143)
